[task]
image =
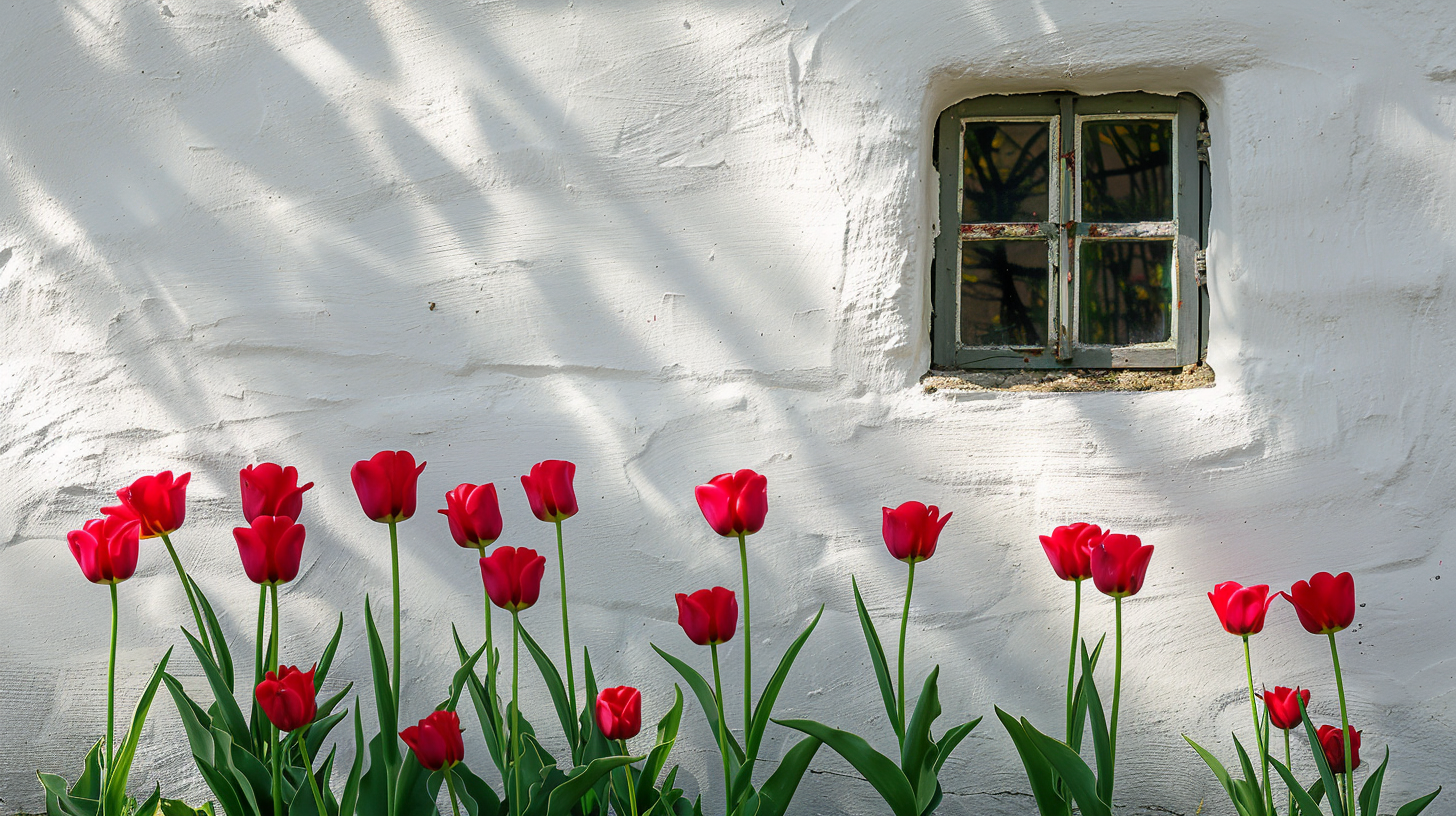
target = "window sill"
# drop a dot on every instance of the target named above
(1071, 380)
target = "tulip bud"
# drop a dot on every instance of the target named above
(158, 502)
(1239, 608)
(734, 503)
(1119, 564)
(385, 484)
(1069, 548)
(619, 712)
(271, 549)
(270, 490)
(549, 490)
(436, 740)
(911, 530)
(708, 616)
(288, 697)
(1325, 603)
(1283, 706)
(513, 577)
(474, 515)
(1332, 740)
(106, 549)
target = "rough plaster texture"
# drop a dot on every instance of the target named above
(668, 239)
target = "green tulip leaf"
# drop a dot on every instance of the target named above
(114, 793)
(877, 660)
(1307, 804)
(877, 769)
(194, 720)
(569, 793)
(60, 796)
(554, 684)
(219, 644)
(1073, 770)
(916, 745)
(350, 798)
(1079, 697)
(383, 696)
(1219, 772)
(492, 727)
(223, 702)
(1370, 792)
(1251, 779)
(950, 739)
(709, 703)
(1337, 804)
(1039, 773)
(1414, 807)
(326, 661)
(779, 788)
(667, 729)
(763, 709)
(1101, 741)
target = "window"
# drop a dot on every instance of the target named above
(1071, 229)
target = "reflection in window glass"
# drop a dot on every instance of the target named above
(1127, 170)
(1003, 293)
(1126, 292)
(1006, 171)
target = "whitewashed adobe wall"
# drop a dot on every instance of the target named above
(668, 239)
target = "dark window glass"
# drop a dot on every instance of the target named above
(1126, 292)
(1004, 293)
(1127, 170)
(1006, 171)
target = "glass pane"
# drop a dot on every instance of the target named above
(1006, 171)
(1003, 293)
(1127, 170)
(1127, 292)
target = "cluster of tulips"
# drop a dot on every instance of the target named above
(266, 762)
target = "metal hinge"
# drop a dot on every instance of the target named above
(1203, 142)
(1200, 267)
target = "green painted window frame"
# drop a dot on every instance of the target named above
(1065, 234)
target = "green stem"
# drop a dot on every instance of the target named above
(258, 672)
(1116, 691)
(1345, 725)
(191, 599)
(747, 639)
(450, 785)
(490, 690)
(722, 733)
(274, 647)
(631, 788)
(111, 686)
(1289, 763)
(394, 567)
(1258, 729)
(1072, 659)
(904, 624)
(515, 711)
(566, 626)
(318, 796)
(278, 778)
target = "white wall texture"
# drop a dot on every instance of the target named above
(669, 239)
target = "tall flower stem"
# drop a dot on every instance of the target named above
(318, 796)
(1345, 726)
(274, 646)
(565, 625)
(1288, 763)
(516, 711)
(631, 788)
(904, 625)
(747, 637)
(1258, 729)
(278, 778)
(1116, 688)
(258, 646)
(1072, 659)
(449, 784)
(191, 598)
(722, 733)
(394, 568)
(111, 685)
(490, 689)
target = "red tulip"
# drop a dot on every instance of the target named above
(1241, 609)
(708, 616)
(287, 697)
(385, 484)
(106, 549)
(158, 502)
(911, 530)
(1325, 603)
(1069, 548)
(474, 515)
(619, 712)
(1283, 705)
(271, 549)
(436, 740)
(734, 503)
(1332, 740)
(549, 490)
(513, 577)
(1119, 564)
(270, 490)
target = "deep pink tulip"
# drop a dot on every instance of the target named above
(1332, 740)
(1283, 705)
(550, 491)
(708, 616)
(734, 503)
(513, 577)
(1119, 564)
(288, 697)
(436, 740)
(619, 712)
(158, 502)
(271, 549)
(271, 490)
(106, 549)
(474, 515)
(911, 530)
(1069, 548)
(1325, 603)
(385, 484)
(1241, 609)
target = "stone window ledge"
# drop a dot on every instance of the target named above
(1070, 380)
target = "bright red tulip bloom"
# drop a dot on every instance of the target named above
(106, 548)
(734, 503)
(513, 577)
(549, 490)
(385, 484)
(619, 712)
(1241, 609)
(288, 697)
(1283, 705)
(436, 740)
(474, 515)
(158, 502)
(1119, 564)
(1325, 603)
(271, 490)
(911, 530)
(271, 549)
(1332, 739)
(1069, 548)
(708, 616)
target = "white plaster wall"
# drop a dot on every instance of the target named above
(668, 239)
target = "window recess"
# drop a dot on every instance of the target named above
(1070, 226)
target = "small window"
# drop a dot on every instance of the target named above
(1071, 228)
